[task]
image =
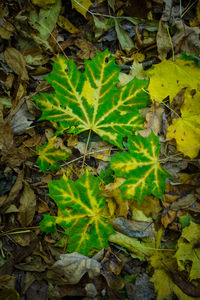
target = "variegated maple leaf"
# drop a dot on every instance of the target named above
(92, 100)
(49, 156)
(141, 167)
(80, 213)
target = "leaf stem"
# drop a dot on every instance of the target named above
(86, 147)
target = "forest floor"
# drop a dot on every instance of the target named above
(155, 253)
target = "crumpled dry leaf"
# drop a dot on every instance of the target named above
(111, 269)
(134, 228)
(186, 38)
(154, 120)
(184, 202)
(21, 120)
(74, 265)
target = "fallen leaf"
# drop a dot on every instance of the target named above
(165, 287)
(137, 229)
(45, 20)
(67, 25)
(141, 168)
(163, 40)
(74, 265)
(44, 3)
(82, 6)
(80, 213)
(123, 37)
(183, 73)
(186, 129)
(97, 104)
(187, 250)
(16, 62)
(186, 38)
(49, 155)
(22, 120)
(138, 249)
(27, 205)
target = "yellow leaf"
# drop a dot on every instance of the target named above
(44, 3)
(138, 249)
(164, 286)
(169, 78)
(81, 6)
(67, 25)
(186, 129)
(187, 250)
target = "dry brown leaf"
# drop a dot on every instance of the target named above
(168, 216)
(27, 206)
(74, 265)
(186, 38)
(16, 62)
(5, 202)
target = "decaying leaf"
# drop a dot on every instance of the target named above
(186, 129)
(91, 100)
(16, 62)
(80, 213)
(74, 265)
(27, 205)
(141, 168)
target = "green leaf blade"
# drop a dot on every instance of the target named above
(92, 100)
(80, 212)
(49, 156)
(141, 168)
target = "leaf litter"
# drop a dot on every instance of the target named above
(155, 239)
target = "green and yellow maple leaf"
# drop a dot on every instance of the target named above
(141, 167)
(92, 100)
(48, 156)
(186, 129)
(80, 213)
(188, 252)
(169, 78)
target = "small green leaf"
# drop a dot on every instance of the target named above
(141, 168)
(80, 213)
(48, 224)
(45, 20)
(92, 100)
(49, 156)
